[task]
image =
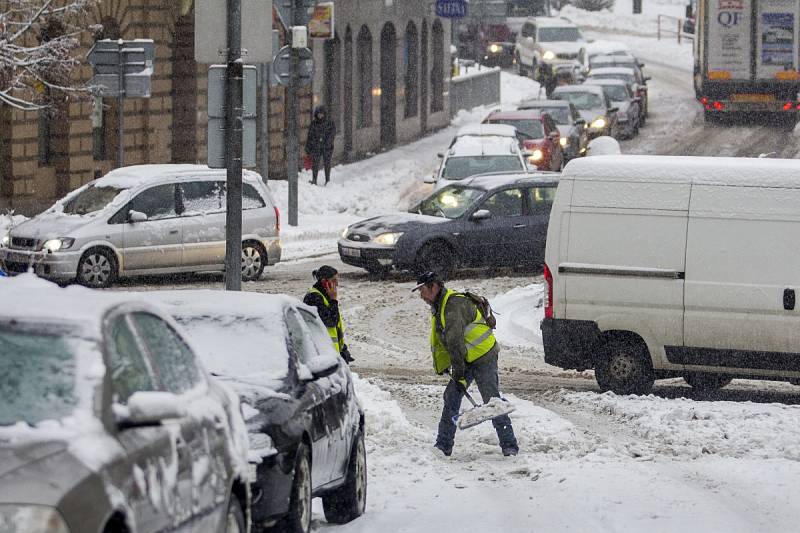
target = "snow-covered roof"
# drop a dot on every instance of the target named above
(495, 130)
(484, 145)
(239, 336)
(537, 104)
(606, 48)
(611, 70)
(605, 81)
(498, 179)
(583, 88)
(623, 59)
(136, 175)
(739, 171)
(554, 22)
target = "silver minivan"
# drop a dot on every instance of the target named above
(143, 220)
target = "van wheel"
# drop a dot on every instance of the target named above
(348, 502)
(626, 369)
(298, 520)
(706, 382)
(436, 257)
(253, 261)
(97, 268)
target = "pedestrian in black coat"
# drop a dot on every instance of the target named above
(319, 144)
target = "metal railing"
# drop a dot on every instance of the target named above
(668, 25)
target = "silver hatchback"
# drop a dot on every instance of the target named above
(143, 220)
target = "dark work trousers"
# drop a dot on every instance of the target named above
(484, 373)
(326, 161)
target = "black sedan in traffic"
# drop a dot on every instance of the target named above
(487, 220)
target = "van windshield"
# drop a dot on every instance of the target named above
(91, 200)
(549, 35)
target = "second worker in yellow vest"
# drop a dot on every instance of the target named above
(324, 295)
(462, 341)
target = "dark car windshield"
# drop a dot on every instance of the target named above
(91, 199)
(615, 93)
(559, 114)
(39, 375)
(450, 202)
(529, 126)
(581, 100)
(458, 168)
(548, 35)
(624, 77)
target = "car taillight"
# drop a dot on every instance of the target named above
(277, 221)
(548, 302)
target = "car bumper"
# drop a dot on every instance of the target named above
(366, 256)
(59, 266)
(271, 491)
(571, 344)
(274, 250)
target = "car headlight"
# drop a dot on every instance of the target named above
(15, 517)
(345, 231)
(54, 245)
(6, 239)
(548, 55)
(388, 239)
(495, 48)
(599, 123)
(563, 142)
(535, 156)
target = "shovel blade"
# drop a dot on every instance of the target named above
(488, 411)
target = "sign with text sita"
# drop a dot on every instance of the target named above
(451, 8)
(321, 24)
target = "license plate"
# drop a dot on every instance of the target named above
(752, 98)
(17, 257)
(351, 252)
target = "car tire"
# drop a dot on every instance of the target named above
(298, 519)
(626, 368)
(97, 268)
(436, 257)
(706, 382)
(348, 502)
(254, 260)
(234, 520)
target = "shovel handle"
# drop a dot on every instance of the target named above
(467, 394)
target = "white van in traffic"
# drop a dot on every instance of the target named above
(674, 266)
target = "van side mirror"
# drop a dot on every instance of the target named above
(481, 214)
(429, 179)
(440, 155)
(136, 216)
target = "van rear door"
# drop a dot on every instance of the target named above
(742, 270)
(626, 258)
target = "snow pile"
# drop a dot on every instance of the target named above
(519, 313)
(621, 18)
(687, 428)
(8, 221)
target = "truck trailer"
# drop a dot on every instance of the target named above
(746, 57)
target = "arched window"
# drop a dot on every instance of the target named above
(364, 60)
(437, 75)
(333, 77)
(411, 57)
(347, 91)
(184, 92)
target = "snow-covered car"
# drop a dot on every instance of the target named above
(547, 40)
(540, 136)
(489, 220)
(108, 422)
(593, 105)
(628, 75)
(572, 126)
(622, 60)
(628, 105)
(304, 420)
(141, 220)
(479, 149)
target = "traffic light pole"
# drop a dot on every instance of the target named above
(292, 140)
(233, 148)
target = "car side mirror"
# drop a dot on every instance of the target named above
(149, 408)
(440, 155)
(136, 216)
(613, 109)
(647, 78)
(641, 65)
(429, 179)
(323, 366)
(481, 214)
(580, 121)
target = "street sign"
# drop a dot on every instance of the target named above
(135, 56)
(216, 116)
(284, 8)
(321, 25)
(282, 62)
(451, 8)
(135, 85)
(211, 31)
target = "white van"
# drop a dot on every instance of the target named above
(674, 266)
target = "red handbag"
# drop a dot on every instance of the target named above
(307, 162)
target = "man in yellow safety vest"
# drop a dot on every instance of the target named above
(463, 342)
(324, 295)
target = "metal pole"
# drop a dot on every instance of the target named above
(233, 149)
(120, 107)
(292, 139)
(264, 122)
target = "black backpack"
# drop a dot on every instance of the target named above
(484, 307)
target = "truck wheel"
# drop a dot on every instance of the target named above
(626, 369)
(348, 502)
(706, 382)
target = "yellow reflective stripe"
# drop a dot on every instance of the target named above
(334, 332)
(479, 340)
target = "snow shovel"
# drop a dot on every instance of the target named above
(494, 408)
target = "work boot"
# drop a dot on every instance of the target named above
(510, 451)
(446, 450)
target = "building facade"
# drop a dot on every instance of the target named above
(384, 77)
